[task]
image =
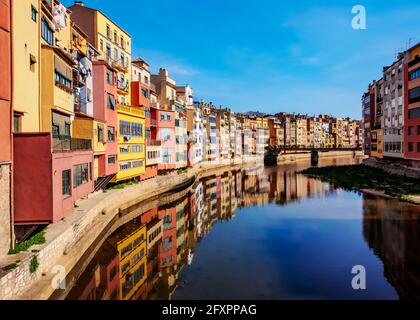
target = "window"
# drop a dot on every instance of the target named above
(115, 54)
(62, 81)
(111, 134)
(410, 131)
(101, 45)
(137, 164)
(100, 133)
(414, 95)
(67, 129)
(137, 148)
(109, 77)
(112, 160)
(414, 113)
(110, 102)
(165, 134)
(66, 183)
(115, 37)
(108, 51)
(125, 166)
(46, 32)
(124, 128)
(122, 42)
(81, 174)
(124, 149)
(108, 31)
(410, 147)
(145, 92)
(414, 74)
(137, 129)
(34, 13)
(17, 123)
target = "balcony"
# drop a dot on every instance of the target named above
(154, 143)
(130, 110)
(123, 86)
(414, 61)
(62, 143)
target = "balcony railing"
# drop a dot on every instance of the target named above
(133, 110)
(66, 143)
(154, 143)
(122, 85)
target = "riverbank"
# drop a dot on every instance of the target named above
(370, 180)
(292, 157)
(67, 240)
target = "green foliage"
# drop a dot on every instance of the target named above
(358, 177)
(39, 238)
(34, 264)
(10, 267)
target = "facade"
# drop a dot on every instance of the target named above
(166, 94)
(141, 93)
(412, 104)
(114, 46)
(394, 109)
(222, 126)
(6, 129)
(276, 131)
(44, 135)
(377, 132)
(105, 113)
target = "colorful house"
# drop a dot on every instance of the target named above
(6, 129)
(44, 139)
(412, 104)
(166, 95)
(142, 94)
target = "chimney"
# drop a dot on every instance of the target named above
(79, 3)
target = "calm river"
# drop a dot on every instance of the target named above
(267, 233)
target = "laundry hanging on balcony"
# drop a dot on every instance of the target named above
(59, 16)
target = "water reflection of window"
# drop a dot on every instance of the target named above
(167, 243)
(167, 221)
(126, 250)
(137, 257)
(167, 261)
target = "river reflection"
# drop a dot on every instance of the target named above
(260, 234)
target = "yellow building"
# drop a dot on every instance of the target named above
(130, 242)
(114, 46)
(113, 43)
(131, 142)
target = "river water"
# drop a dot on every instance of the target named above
(261, 233)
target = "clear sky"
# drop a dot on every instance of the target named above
(298, 56)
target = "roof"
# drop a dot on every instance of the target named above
(96, 10)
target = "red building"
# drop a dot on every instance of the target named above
(368, 119)
(6, 116)
(167, 248)
(412, 104)
(105, 109)
(49, 178)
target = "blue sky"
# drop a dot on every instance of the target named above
(268, 55)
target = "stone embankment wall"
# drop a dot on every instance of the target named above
(68, 240)
(322, 155)
(393, 168)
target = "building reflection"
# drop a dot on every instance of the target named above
(395, 238)
(144, 258)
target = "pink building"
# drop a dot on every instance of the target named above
(49, 180)
(105, 109)
(166, 134)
